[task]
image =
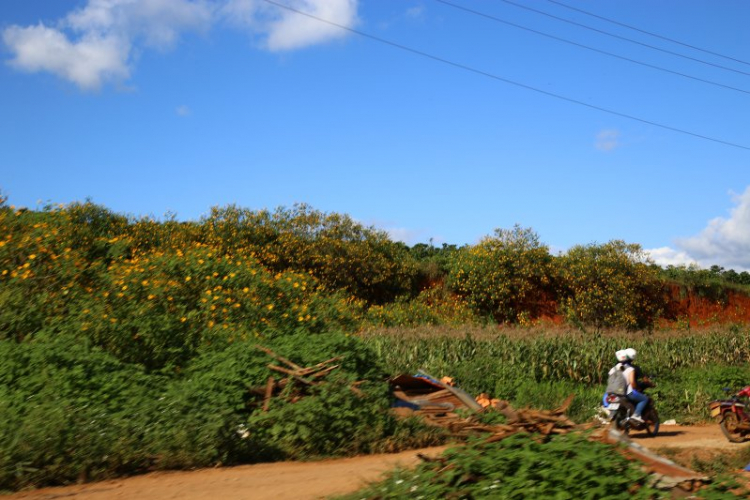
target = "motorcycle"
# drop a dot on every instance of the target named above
(731, 415)
(620, 410)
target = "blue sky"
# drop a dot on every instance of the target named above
(156, 106)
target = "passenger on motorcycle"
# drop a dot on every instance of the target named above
(632, 373)
(616, 381)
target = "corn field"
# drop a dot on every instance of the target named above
(584, 359)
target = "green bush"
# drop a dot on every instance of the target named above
(520, 466)
(68, 411)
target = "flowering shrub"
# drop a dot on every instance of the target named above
(506, 276)
(610, 285)
(341, 253)
(148, 300)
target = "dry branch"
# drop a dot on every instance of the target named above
(275, 356)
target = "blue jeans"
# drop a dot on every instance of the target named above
(640, 400)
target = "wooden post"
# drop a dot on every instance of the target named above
(269, 392)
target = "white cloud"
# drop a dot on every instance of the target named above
(85, 62)
(666, 256)
(157, 23)
(724, 241)
(608, 140)
(97, 42)
(288, 30)
(403, 235)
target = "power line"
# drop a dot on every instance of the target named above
(505, 80)
(587, 47)
(581, 25)
(613, 21)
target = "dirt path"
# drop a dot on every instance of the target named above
(280, 480)
(675, 436)
(310, 480)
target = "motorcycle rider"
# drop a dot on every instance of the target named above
(632, 373)
(616, 381)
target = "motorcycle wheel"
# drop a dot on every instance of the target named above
(620, 422)
(651, 418)
(728, 425)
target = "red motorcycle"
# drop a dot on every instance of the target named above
(731, 415)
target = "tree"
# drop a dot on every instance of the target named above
(610, 285)
(506, 276)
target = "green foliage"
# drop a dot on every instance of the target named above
(686, 392)
(506, 276)
(610, 285)
(334, 420)
(520, 466)
(433, 263)
(711, 283)
(70, 411)
(128, 344)
(725, 487)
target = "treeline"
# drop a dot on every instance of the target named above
(117, 279)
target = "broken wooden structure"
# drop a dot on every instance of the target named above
(291, 374)
(439, 404)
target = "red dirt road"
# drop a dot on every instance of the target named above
(280, 480)
(697, 437)
(310, 480)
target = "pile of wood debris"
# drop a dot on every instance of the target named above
(292, 374)
(439, 403)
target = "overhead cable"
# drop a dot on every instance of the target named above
(650, 33)
(613, 35)
(502, 79)
(587, 47)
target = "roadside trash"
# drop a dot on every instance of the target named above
(437, 403)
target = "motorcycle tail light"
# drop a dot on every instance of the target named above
(611, 398)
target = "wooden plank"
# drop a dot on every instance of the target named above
(465, 398)
(547, 429)
(261, 390)
(437, 394)
(322, 373)
(291, 373)
(566, 404)
(269, 392)
(498, 437)
(312, 369)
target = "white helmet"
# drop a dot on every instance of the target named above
(630, 353)
(621, 356)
